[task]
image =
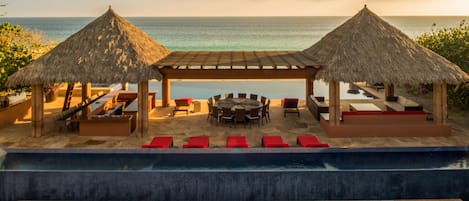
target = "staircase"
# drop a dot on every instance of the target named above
(68, 96)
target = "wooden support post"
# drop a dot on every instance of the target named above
(444, 103)
(142, 117)
(334, 103)
(440, 102)
(388, 90)
(309, 87)
(37, 103)
(165, 92)
(85, 94)
(125, 86)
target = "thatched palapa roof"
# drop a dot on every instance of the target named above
(366, 48)
(108, 50)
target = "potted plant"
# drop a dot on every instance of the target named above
(50, 91)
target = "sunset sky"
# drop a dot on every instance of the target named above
(87, 8)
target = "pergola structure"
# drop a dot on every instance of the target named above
(236, 65)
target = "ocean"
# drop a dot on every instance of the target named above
(236, 33)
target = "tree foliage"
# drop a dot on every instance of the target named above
(18, 48)
(453, 44)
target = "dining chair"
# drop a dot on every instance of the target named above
(253, 96)
(227, 115)
(229, 95)
(239, 116)
(215, 114)
(242, 95)
(253, 116)
(264, 114)
(217, 98)
(263, 100)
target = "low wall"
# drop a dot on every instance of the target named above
(317, 107)
(11, 114)
(391, 129)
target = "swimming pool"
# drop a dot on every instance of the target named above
(235, 174)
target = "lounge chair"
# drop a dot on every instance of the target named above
(310, 141)
(290, 105)
(160, 142)
(182, 104)
(197, 142)
(273, 141)
(236, 142)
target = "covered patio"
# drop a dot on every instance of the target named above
(368, 49)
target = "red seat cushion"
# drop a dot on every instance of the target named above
(236, 141)
(197, 142)
(160, 142)
(310, 141)
(273, 141)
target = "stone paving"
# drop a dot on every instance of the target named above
(182, 126)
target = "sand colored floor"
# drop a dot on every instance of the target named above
(182, 126)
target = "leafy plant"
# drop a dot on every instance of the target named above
(453, 44)
(18, 48)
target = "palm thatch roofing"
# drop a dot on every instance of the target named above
(108, 50)
(366, 48)
(247, 59)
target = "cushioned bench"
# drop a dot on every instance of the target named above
(384, 117)
(400, 103)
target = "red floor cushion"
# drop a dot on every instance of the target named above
(197, 142)
(273, 141)
(310, 141)
(236, 141)
(160, 142)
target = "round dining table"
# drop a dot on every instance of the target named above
(238, 103)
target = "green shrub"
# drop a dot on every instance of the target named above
(453, 44)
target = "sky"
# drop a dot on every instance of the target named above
(93, 8)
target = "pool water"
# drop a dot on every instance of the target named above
(322, 161)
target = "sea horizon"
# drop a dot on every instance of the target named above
(244, 33)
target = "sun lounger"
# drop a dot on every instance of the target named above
(290, 105)
(273, 141)
(183, 104)
(160, 142)
(197, 142)
(236, 142)
(310, 141)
